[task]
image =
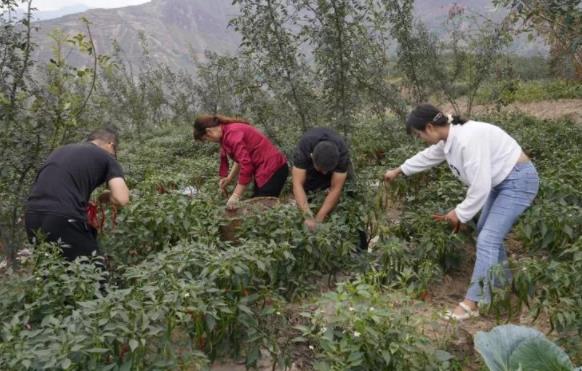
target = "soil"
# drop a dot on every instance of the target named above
(457, 338)
(454, 337)
(551, 109)
(562, 108)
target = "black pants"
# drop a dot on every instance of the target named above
(75, 236)
(274, 186)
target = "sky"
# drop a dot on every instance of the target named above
(48, 5)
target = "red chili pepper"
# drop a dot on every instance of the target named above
(113, 217)
(202, 342)
(92, 219)
(425, 296)
(102, 218)
(96, 216)
(123, 349)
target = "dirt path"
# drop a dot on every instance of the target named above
(457, 337)
(550, 109)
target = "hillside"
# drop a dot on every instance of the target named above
(179, 31)
(176, 30)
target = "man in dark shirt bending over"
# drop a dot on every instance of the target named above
(321, 161)
(57, 204)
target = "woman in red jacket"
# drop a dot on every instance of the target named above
(254, 156)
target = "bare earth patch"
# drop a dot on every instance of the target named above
(457, 337)
(550, 109)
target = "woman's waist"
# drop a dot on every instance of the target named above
(523, 158)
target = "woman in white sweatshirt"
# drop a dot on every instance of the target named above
(502, 183)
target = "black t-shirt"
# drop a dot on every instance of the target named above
(66, 180)
(302, 156)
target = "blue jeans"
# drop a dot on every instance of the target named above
(506, 202)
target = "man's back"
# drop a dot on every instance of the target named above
(302, 156)
(67, 178)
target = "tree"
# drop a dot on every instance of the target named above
(36, 116)
(410, 46)
(558, 21)
(232, 86)
(450, 67)
(334, 29)
(20, 134)
(268, 41)
(218, 83)
(375, 72)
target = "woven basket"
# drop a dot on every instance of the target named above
(249, 207)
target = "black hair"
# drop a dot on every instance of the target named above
(325, 156)
(203, 122)
(426, 113)
(104, 134)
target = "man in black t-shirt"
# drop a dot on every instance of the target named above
(321, 161)
(58, 201)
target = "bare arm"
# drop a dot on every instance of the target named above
(119, 193)
(239, 190)
(234, 171)
(392, 174)
(299, 176)
(233, 201)
(224, 182)
(337, 183)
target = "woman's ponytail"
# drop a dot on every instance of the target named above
(457, 120)
(424, 114)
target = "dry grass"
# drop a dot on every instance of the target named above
(551, 109)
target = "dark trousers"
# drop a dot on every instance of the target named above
(274, 185)
(75, 237)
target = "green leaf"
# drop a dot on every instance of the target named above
(98, 350)
(299, 339)
(127, 365)
(497, 345)
(355, 358)
(387, 357)
(443, 356)
(569, 231)
(133, 344)
(245, 309)
(66, 364)
(303, 329)
(540, 354)
(76, 348)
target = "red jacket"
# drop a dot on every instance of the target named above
(252, 150)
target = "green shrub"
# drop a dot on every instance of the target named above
(358, 327)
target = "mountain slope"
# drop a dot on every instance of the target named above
(176, 31)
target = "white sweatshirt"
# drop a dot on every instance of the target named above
(480, 154)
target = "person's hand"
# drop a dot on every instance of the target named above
(233, 202)
(450, 217)
(223, 183)
(104, 197)
(311, 224)
(391, 174)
